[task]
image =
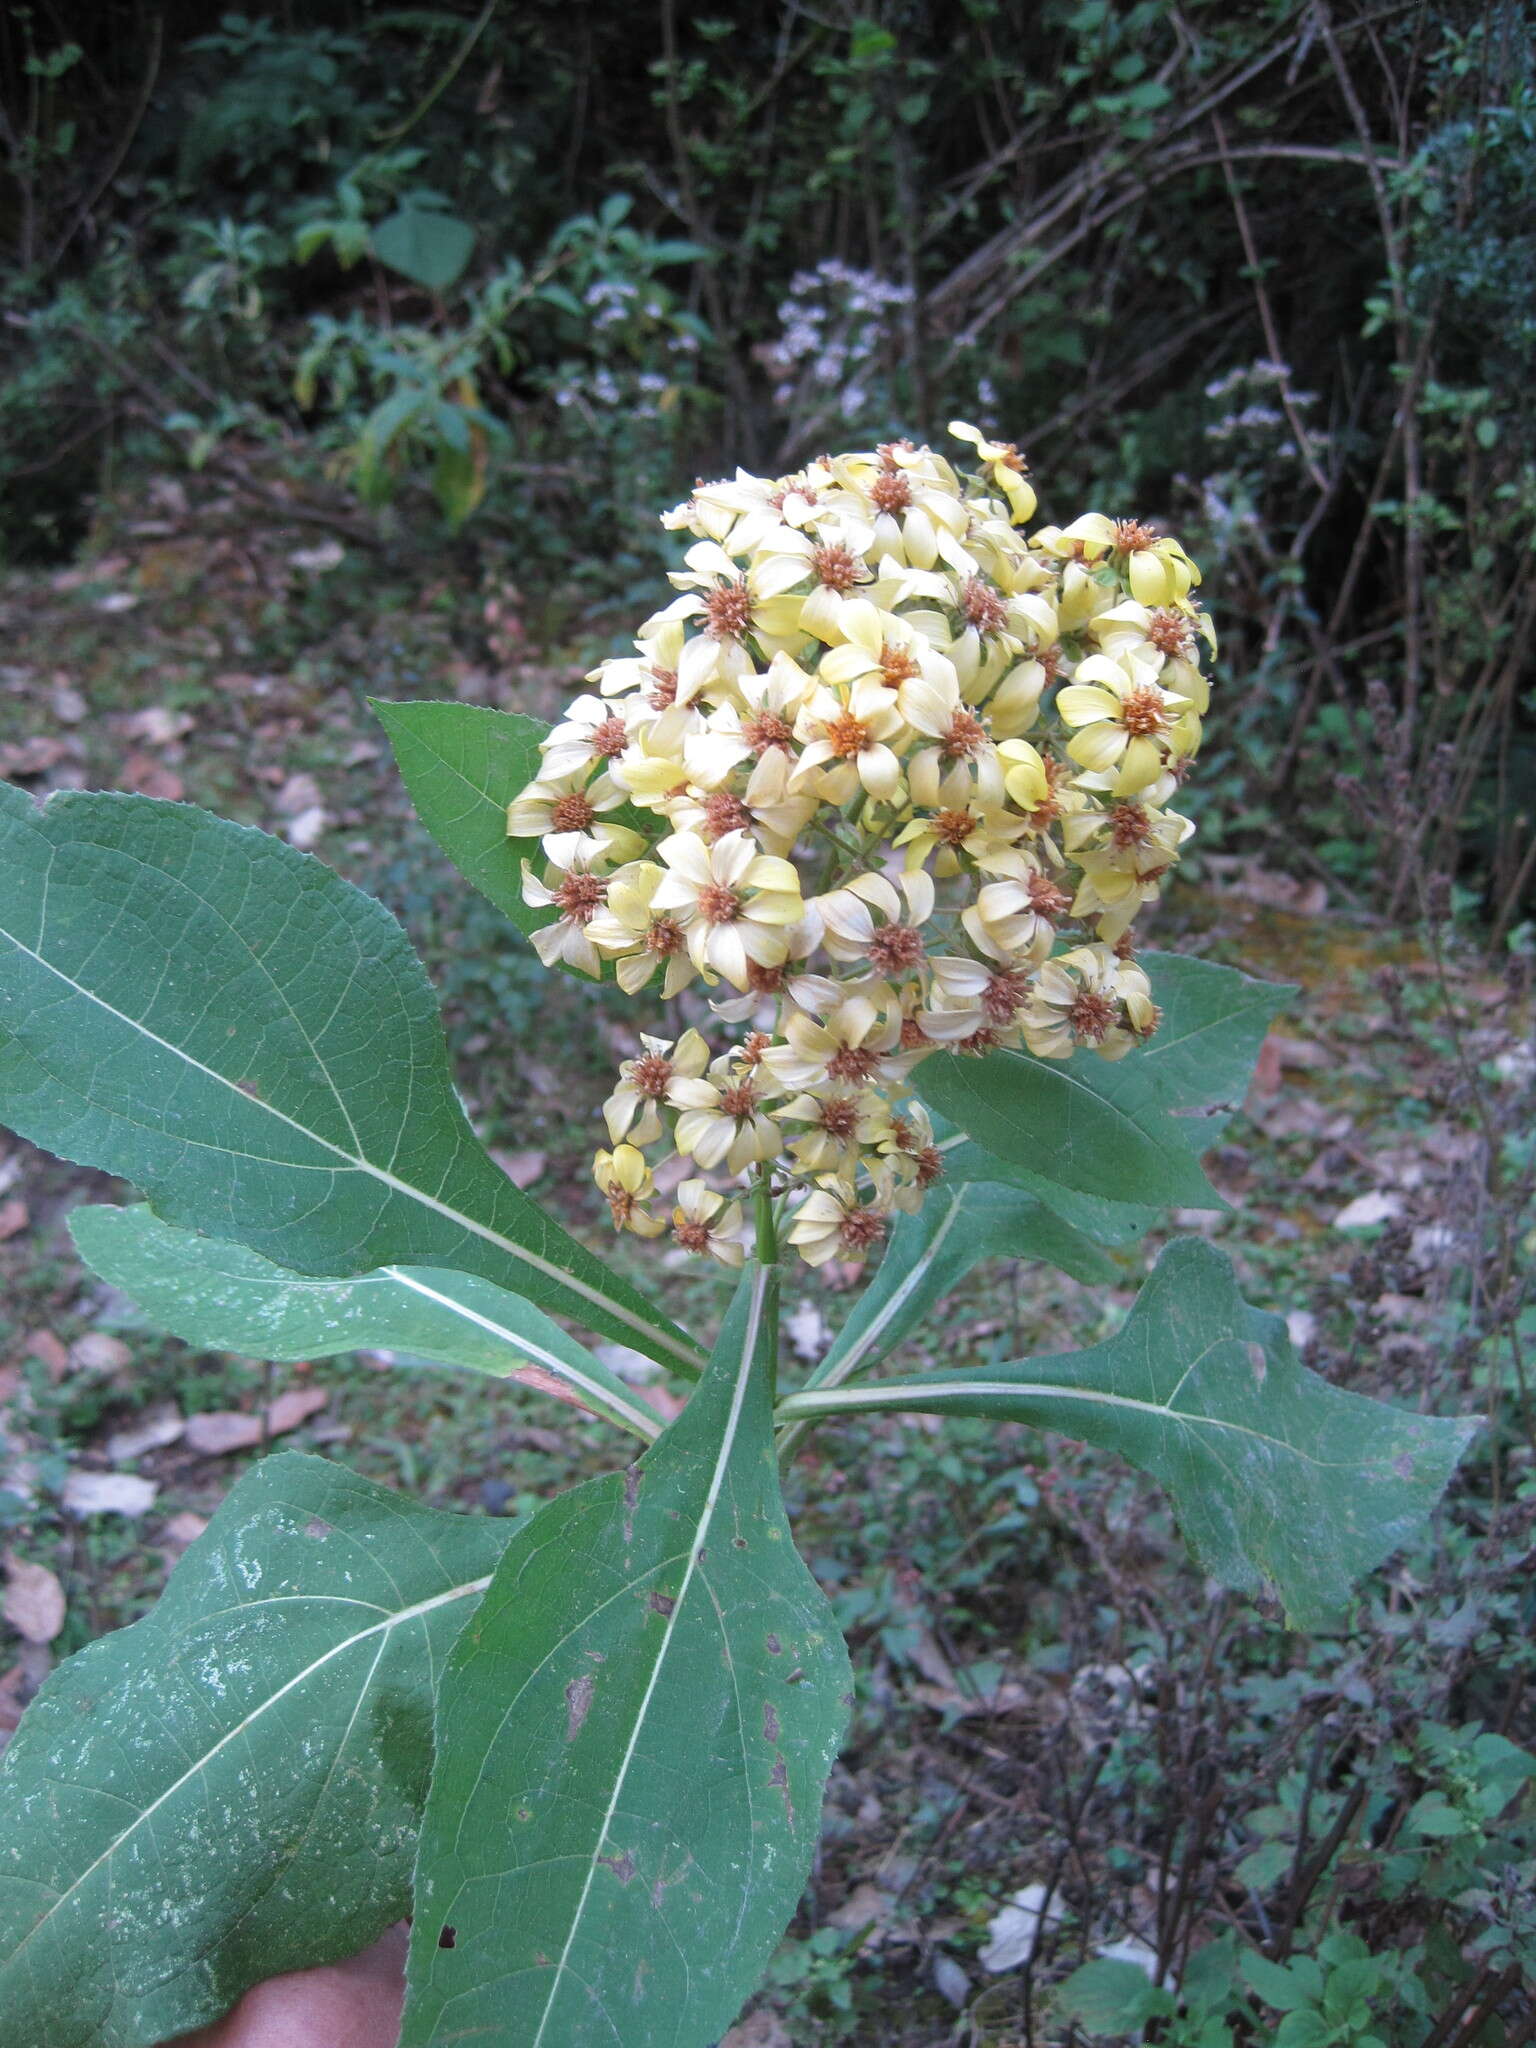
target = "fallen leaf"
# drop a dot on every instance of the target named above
(294, 1407)
(182, 1529)
(14, 1216)
(149, 777)
(35, 756)
(43, 1345)
(758, 2030)
(950, 1981)
(1376, 1207)
(108, 1493)
(521, 1168)
(866, 1907)
(808, 1331)
(34, 1600)
(1132, 1950)
(298, 793)
(306, 830)
(219, 1431)
(97, 1352)
(67, 704)
(152, 1432)
(157, 725)
(1015, 1928)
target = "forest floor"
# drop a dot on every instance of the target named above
(1047, 1691)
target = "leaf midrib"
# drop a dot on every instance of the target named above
(357, 1162)
(390, 1621)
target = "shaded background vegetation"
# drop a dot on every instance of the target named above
(349, 348)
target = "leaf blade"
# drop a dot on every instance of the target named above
(220, 1296)
(294, 1771)
(655, 1615)
(1258, 1502)
(205, 1011)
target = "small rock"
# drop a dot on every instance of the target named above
(14, 1217)
(298, 793)
(1302, 1325)
(316, 561)
(108, 1493)
(67, 704)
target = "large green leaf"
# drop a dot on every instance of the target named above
(1126, 1131)
(633, 1740)
(429, 247)
(462, 765)
(225, 1297)
(224, 1021)
(231, 1787)
(931, 1252)
(1277, 1478)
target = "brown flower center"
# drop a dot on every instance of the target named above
(664, 937)
(612, 736)
(967, 736)
(753, 1046)
(791, 487)
(860, 1229)
(724, 813)
(766, 729)
(1130, 534)
(835, 567)
(983, 606)
(1129, 825)
(897, 667)
(650, 1075)
(1142, 711)
(954, 827)
(621, 1206)
(930, 1166)
(728, 610)
(693, 1237)
(891, 492)
(847, 735)
(1003, 995)
(572, 813)
(913, 1037)
(839, 1117)
(1171, 634)
(579, 896)
(979, 1042)
(664, 695)
(895, 947)
(739, 1099)
(1045, 898)
(719, 905)
(852, 1063)
(1091, 1016)
(764, 981)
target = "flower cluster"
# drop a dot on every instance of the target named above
(890, 776)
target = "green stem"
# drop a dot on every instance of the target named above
(768, 1258)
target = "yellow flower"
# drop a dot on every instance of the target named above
(880, 647)
(851, 1041)
(1004, 466)
(843, 1125)
(1012, 919)
(831, 1224)
(578, 895)
(722, 1121)
(638, 939)
(632, 1111)
(847, 745)
(704, 1222)
(1124, 722)
(734, 903)
(1087, 997)
(565, 813)
(626, 1183)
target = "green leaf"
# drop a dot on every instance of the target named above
(1108, 1223)
(1131, 1130)
(462, 764)
(1276, 1477)
(231, 1787)
(641, 1720)
(931, 1253)
(1111, 1997)
(224, 1021)
(432, 249)
(224, 1297)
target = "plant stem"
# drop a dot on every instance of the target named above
(768, 1258)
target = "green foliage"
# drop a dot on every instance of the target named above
(231, 1788)
(656, 1689)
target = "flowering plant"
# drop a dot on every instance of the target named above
(843, 822)
(882, 790)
